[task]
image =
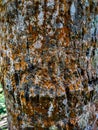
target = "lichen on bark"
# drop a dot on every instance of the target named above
(48, 61)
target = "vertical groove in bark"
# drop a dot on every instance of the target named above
(49, 63)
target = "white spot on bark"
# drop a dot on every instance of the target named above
(50, 110)
(72, 11)
(20, 23)
(50, 3)
(65, 101)
(40, 18)
(38, 45)
(90, 88)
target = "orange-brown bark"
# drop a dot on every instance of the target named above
(49, 67)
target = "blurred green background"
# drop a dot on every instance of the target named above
(2, 102)
(3, 115)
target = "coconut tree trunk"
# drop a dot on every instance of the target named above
(49, 63)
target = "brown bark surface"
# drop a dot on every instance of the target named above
(49, 63)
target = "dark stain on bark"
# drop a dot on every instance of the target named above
(16, 75)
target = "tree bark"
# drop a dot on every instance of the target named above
(49, 63)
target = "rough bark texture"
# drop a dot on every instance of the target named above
(49, 63)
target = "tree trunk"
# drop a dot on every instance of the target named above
(49, 63)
